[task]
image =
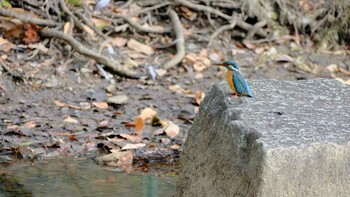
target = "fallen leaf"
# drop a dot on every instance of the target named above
(73, 138)
(177, 88)
(101, 23)
(119, 41)
(31, 33)
(147, 113)
(15, 32)
(129, 124)
(59, 103)
(30, 124)
(332, 68)
(100, 105)
(284, 58)
(342, 70)
(199, 97)
(139, 125)
(69, 119)
(5, 45)
(88, 30)
(346, 82)
(131, 137)
(137, 46)
(74, 107)
(133, 146)
(175, 147)
(161, 72)
(171, 129)
(66, 28)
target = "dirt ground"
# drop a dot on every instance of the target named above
(47, 108)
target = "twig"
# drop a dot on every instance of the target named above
(141, 28)
(26, 18)
(127, 4)
(13, 75)
(92, 26)
(255, 28)
(66, 10)
(222, 29)
(154, 7)
(110, 64)
(203, 8)
(180, 40)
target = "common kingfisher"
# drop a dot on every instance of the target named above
(235, 79)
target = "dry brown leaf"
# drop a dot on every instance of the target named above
(346, 82)
(30, 124)
(129, 124)
(133, 146)
(119, 41)
(100, 23)
(131, 137)
(89, 30)
(66, 28)
(332, 68)
(199, 97)
(69, 119)
(175, 147)
(100, 105)
(59, 103)
(5, 45)
(16, 32)
(74, 107)
(139, 125)
(160, 72)
(147, 113)
(73, 138)
(177, 88)
(31, 33)
(171, 129)
(138, 46)
(342, 70)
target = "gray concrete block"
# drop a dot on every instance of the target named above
(290, 139)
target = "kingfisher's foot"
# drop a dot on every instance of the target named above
(234, 94)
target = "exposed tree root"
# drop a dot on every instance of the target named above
(109, 63)
(180, 41)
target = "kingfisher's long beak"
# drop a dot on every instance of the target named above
(217, 64)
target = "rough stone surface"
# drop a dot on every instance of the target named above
(290, 139)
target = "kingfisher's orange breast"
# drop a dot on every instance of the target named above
(230, 81)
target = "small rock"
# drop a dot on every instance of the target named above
(51, 82)
(118, 99)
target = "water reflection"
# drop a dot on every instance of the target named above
(79, 178)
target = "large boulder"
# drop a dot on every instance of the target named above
(290, 139)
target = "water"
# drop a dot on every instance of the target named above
(80, 178)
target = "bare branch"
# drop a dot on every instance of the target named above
(222, 29)
(141, 28)
(26, 18)
(109, 63)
